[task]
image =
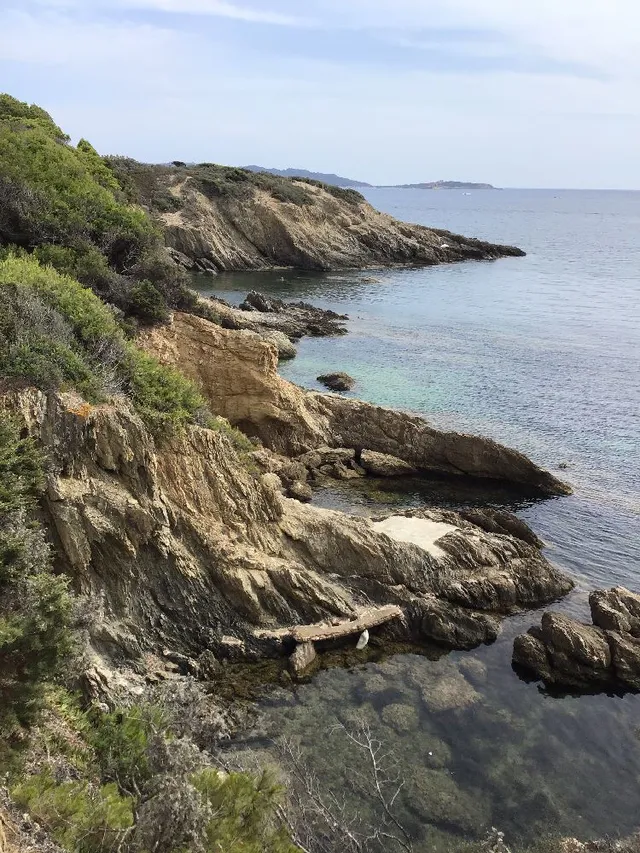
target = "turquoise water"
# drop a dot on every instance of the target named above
(542, 353)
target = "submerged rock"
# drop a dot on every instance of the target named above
(567, 652)
(440, 801)
(402, 718)
(337, 381)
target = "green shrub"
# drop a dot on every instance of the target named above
(28, 114)
(37, 346)
(82, 817)
(121, 743)
(244, 813)
(35, 606)
(67, 204)
(82, 343)
(165, 399)
(147, 303)
(89, 318)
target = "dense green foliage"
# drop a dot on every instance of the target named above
(150, 185)
(67, 205)
(132, 786)
(57, 334)
(35, 607)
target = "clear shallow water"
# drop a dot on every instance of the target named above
(542, 353)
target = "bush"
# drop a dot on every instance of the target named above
(35, 606)
(165, 399)
(37, 346)
(244, 812)
(67, 204)
(121, 743)
(147, 303)
(82, 817)
(64, 336)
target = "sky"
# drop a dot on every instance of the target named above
(513, 92)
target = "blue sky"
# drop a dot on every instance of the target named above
(513, 92)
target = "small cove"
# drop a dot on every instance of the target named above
(542, 353)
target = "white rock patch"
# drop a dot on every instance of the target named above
(417, 531)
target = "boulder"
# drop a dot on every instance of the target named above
(300, 491)
(301, 659)
(384, 465)
(282, 343)
(616, 609)
(337, 381)
(452, 626)
(607, 653)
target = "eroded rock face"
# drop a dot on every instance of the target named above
(607, 653)
(180, 550)
(237, 372)
(328, 233)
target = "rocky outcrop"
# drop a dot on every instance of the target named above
(339, 381)
(294, 319)
(237, 372)
(599, 656)
(180, 550)
(327, 232)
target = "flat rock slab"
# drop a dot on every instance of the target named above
(369, 618)
(417, 531)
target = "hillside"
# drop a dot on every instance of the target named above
(217, 218)
(323, 177)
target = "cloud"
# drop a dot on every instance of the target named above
(386, 90)
(256, 14)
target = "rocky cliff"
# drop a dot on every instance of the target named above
(237, 371)
(321, 231)
(178, 547)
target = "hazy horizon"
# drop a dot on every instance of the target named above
(534, 94)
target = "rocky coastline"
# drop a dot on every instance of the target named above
(322, 231)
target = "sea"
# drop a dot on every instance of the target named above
(541, 353)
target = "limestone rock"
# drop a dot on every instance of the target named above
(302, 658)
(616, 609)
(384, 465)
(237, 372)
(452, 626)
(300, 491)
(337, 381)
(282, 343)
(184, 547)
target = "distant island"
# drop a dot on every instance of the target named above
(445, 185)
(339, 181)
(325, 178)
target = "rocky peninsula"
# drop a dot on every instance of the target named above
(218, 219)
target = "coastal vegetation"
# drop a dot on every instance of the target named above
(150, 185)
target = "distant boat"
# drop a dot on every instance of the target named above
(466, 193)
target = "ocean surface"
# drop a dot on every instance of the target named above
(542, 353)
